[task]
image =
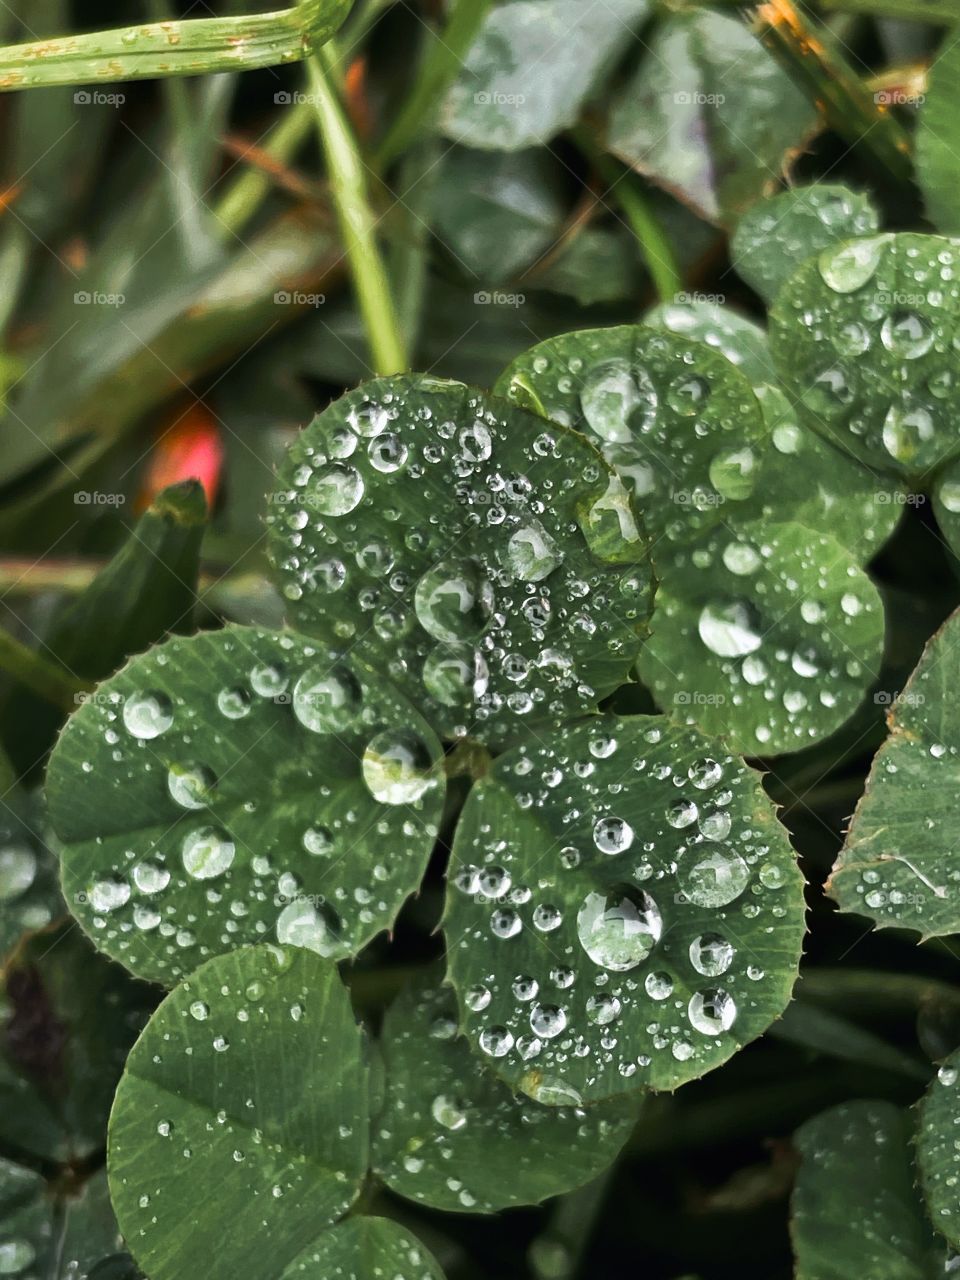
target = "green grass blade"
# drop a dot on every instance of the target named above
(191, 47)
(348, 187)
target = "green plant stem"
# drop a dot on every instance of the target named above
(623, 187)
(879, 991)
(816, 65)
(151, 50)
(348, 188)
(243, 198)
(445, 54)
(43, 677)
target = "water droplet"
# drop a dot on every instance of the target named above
(547, 1020)
(712, 877)
(147, 715)
(740, 558)
(318, 841)
(683, 814)
(148, 877)
(335, 489)
(711, 954)
(191, 785)
(618, 400)
(705, 774)
(199, 1010)
(687, 395)
(454, 600)
(733, 473)
(711, 1012)
(456, 675)
(531, 553)
(612, 835)
(108, 895)
(449, 1112)
(234, 703)
(327, 700)
(620, 928)
(387, 453)
(397, 767)
(847, 269)
(301, 924)
(496, 1042)
(658, 985)
(207, 852)
(730, 630)
(603, 1009)
(906, 334)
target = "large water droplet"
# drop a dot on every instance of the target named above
(456, 674)
(730, 630)
(612, 835)
(108, 895)
(849, 268)
(733, 473)
(905, 428)
(454, 600)
(397, 767)
(191, 785)
(711, 1012)
(150, 878)
(712, 877)
(906, 334)
(334, 489)
(449, 1112)
(207, 852)
(327, 700)
(620, 928)
(711, 954)
(304, 924)
(618, 400)
(532, 554)
(147, 715)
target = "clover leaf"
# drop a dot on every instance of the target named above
(239, 786)
(898, 865)
(623, 910)
(867, 333)
(248, 1093)
(488, 563)
(441, 1114)
(856, 1210)
(775, 236)
(938, 1159)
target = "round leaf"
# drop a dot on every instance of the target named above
(363, 1248)
(623, 910)
(856, 1209)
(741, 340)
(489, 563)
(774, 237)
(453, 1136)
(938, 1158)
(805, 479)
(867, 333)
(900, 864)
(938, 139)
(239, 786)
(246, 1094)
(769, 635)
(677, 421)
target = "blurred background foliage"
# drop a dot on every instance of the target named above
(176, 301)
